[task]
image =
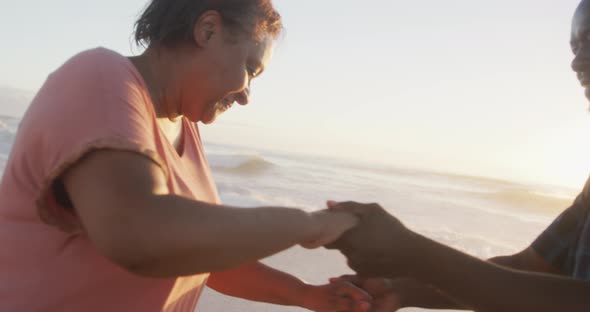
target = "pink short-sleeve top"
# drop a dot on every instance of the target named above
(96, 100)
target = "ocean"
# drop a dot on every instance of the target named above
(481, 216)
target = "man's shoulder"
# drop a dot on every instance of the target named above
(585, 194)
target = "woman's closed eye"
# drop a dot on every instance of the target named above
(251, 72)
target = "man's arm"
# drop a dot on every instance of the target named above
(526, 260)
(396, 251)
(484, 286)
(412, 293)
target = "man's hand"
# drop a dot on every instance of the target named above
(341, 296)
(379, 246)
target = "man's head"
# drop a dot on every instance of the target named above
(580, 44)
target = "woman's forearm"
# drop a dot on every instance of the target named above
(128, 212)
(177, 236)
(258, 282)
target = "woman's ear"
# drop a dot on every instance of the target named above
(208, 25)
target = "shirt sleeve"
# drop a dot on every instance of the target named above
(94, 101)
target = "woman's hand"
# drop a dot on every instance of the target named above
(391, 295)
(388, 295)
(328, 226)
(339, 295)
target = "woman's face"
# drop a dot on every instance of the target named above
(221, 72)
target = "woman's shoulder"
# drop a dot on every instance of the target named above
(98, 54)
(97, 82)
(97, 64)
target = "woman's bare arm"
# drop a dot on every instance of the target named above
(127, 211)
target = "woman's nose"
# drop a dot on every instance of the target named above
(243, 98)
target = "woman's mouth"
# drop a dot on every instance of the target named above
(225, 105)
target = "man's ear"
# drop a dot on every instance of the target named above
(208, 25)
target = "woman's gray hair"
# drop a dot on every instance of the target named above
(171, 22)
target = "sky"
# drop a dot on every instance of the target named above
(464, 86)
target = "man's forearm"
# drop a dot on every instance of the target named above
(484, 286)
(417, 294)
(258, 282)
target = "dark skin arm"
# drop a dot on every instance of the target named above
(412, 293)
(131, 217)
(395, 251)
(526, 260)
(481, 284)
(393, 294)
(128, 213)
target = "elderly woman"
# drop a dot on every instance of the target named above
(107, 201)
